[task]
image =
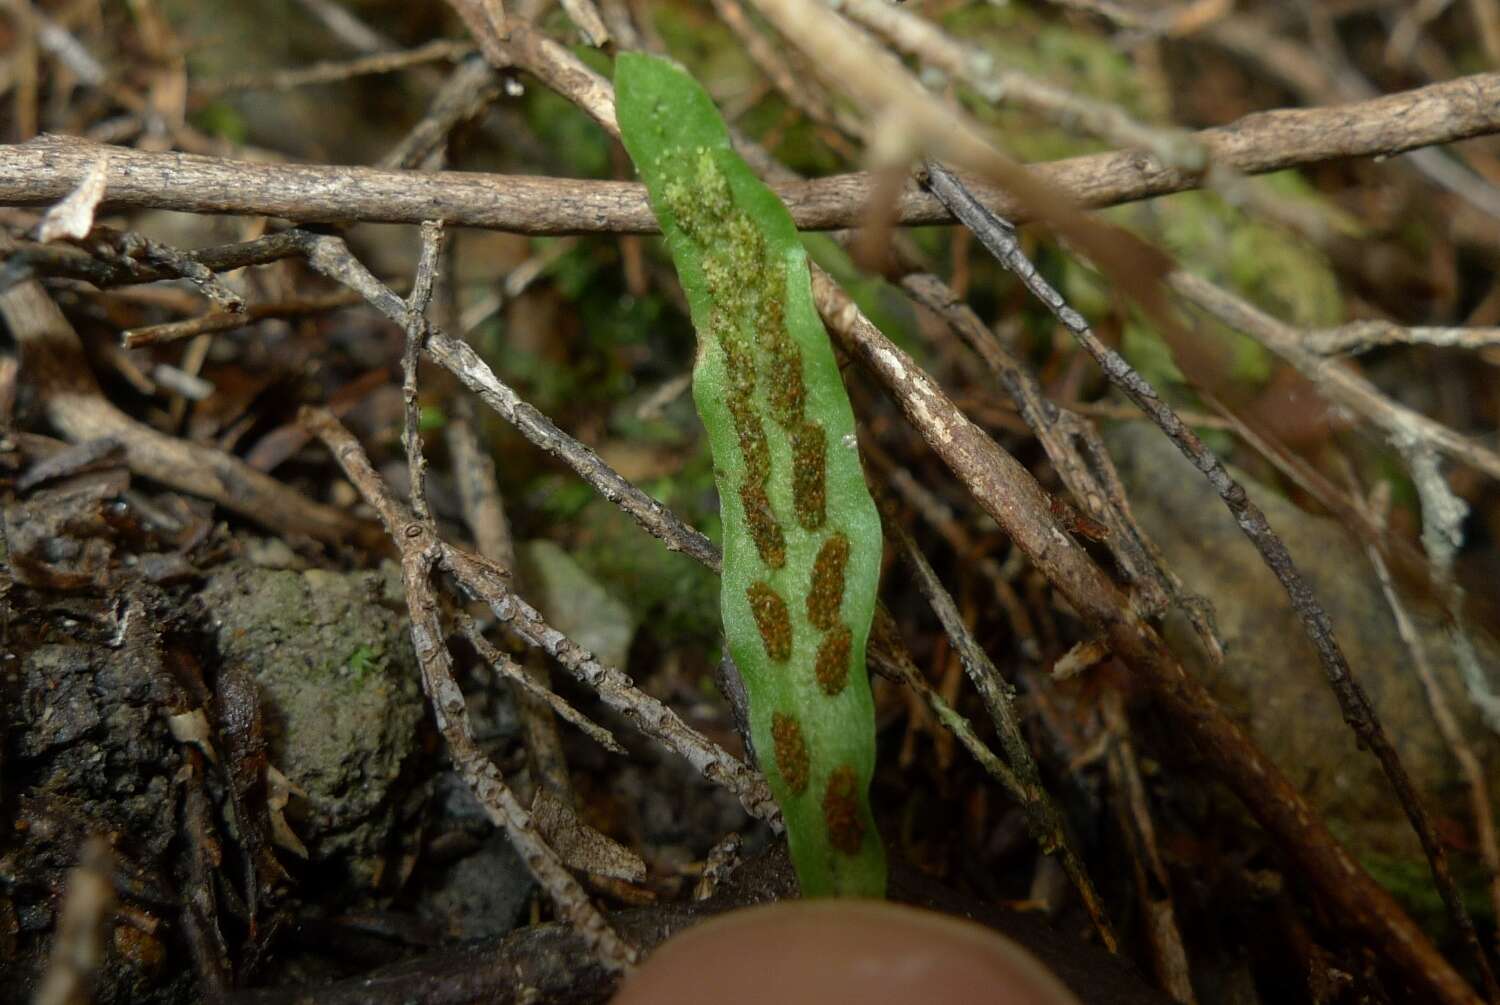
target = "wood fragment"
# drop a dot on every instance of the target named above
(40, 172)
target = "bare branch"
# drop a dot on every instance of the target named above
(1009, 493)
(225, 321)
(47, 169)
(331, 71)
(1042, 813)
(420, 552)
(999, 237)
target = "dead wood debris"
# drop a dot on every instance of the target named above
(64, 532)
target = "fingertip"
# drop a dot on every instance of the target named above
(824, 952)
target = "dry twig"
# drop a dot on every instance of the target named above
(1042, 814)
(421, 552)
(47, 169)
(215, 322)
(999, 237)
(331, 71)
(1009, 493)
(76, 407)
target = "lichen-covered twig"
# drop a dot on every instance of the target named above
(421, 552)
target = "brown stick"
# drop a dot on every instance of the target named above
(1359, 713)
(47, 169)
(224, 321)
(76, 407)
(1009, 494)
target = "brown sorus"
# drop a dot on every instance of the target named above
(772, 619)
(791, 751)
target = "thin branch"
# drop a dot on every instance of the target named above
(1009, 493)
(46, 169)
(999, 237)
(27, 259)
(1338, 383)
(473, 471)
(215, 322)
(1041, 812)
(421, 552)
(332, 71)
(1361, 336)
(937, 513)
(345, 27)
(507, 668)
(330, 256)
(488, 584)
(468, 90)
(416, 331)
(890, 657)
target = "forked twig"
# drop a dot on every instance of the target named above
(421, 553)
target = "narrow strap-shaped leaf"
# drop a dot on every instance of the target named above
(802, 536)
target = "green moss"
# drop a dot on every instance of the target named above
(1410, 882)
(220, 119)
(364, 660)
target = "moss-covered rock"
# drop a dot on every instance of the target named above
(340, 695)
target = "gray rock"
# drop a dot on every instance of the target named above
(341, 697)
(1271, 679)
(575, 604)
